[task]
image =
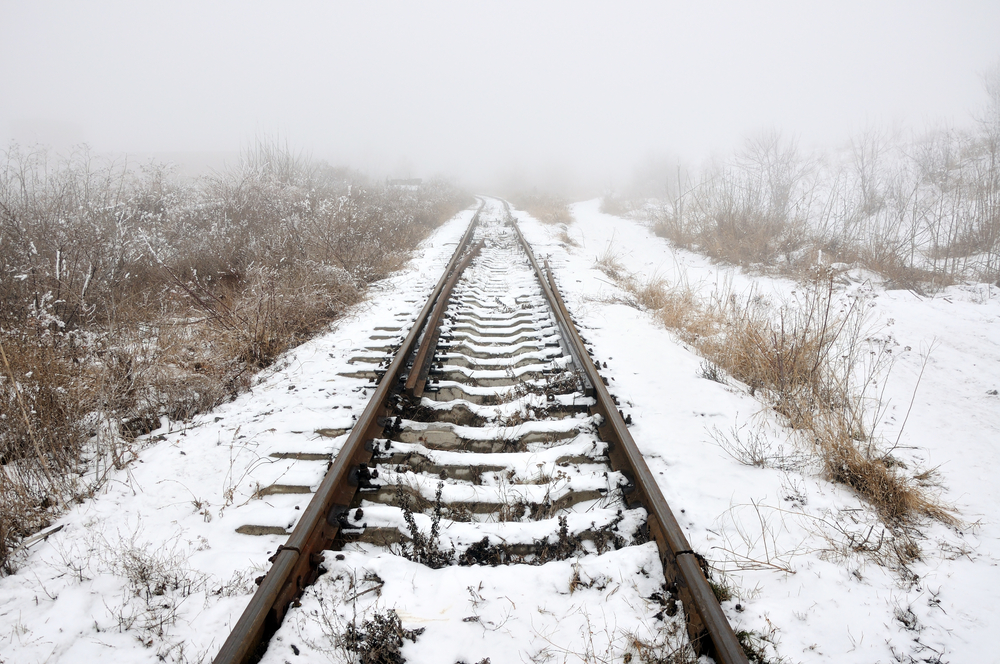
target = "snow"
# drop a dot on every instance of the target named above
(470, 614)
(780, 527)
(157, 549)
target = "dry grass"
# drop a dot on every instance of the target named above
(611, 263)
(566, 239)
(811, 362)
(872, 473)
(546, 208)
(678, 307)
(126, 296)
(612, 203)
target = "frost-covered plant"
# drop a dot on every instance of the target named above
(921, 211)
(347, 624)
(815, 362)
(425, 549)
(127, 295)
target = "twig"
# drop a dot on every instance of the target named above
(27, 423)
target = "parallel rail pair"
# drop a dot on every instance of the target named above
(295, 564)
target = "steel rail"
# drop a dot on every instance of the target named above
(296, 563)
(709, 630)
(417, 379)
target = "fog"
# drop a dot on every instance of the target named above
(556, 94)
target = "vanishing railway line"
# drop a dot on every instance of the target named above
(490, 440)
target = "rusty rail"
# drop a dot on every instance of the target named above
(296, 563)
(417, 379)
(709, 630)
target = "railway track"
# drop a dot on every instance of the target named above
(489, 501)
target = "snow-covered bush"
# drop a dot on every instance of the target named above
(920, 211)
(127, 295)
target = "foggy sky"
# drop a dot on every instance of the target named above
(550, 91)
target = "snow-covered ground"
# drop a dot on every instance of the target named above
(152, 568)
(779, 532)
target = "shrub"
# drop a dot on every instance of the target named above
(545, 207)
(924, 213)
(126, 296)
(811, 362)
